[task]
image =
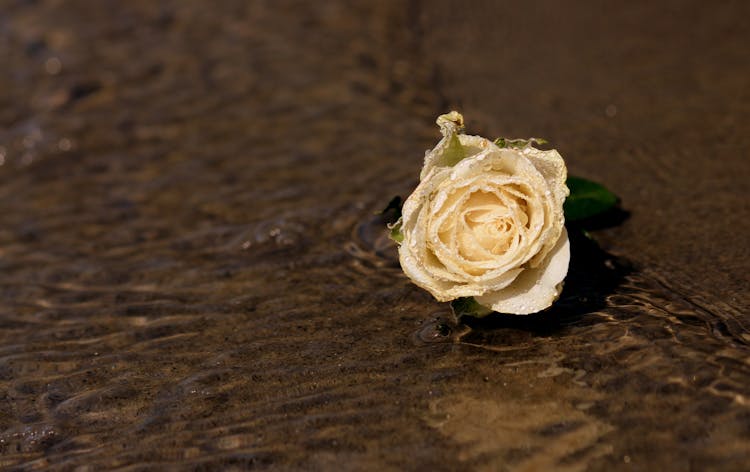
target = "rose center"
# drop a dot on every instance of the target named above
(494, 230)
(489, 224)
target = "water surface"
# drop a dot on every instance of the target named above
(191, 275)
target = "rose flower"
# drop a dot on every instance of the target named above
(487, 222)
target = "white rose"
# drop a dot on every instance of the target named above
(487, 222)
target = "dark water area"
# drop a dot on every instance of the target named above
(191, 275)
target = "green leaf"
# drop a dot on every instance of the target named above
(587, 199)
(468, 306)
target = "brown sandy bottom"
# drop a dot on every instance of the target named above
(192, 278)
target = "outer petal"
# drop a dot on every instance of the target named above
(552, 167)
(434, 158)
(535, 289)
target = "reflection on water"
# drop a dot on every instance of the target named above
(621, 353)
(191, 275)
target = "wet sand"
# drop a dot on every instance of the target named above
(191, 275)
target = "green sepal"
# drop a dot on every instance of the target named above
(518, 143)
(468, 306)
(451, 125)
(587, 199)
(391, 215)
(395, 232)
(454, 152)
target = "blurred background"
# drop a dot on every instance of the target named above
(191, 274)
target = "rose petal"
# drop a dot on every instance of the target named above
(552, 167)
(434, 158)
(534, 289)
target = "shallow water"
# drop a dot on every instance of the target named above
(192, 276)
